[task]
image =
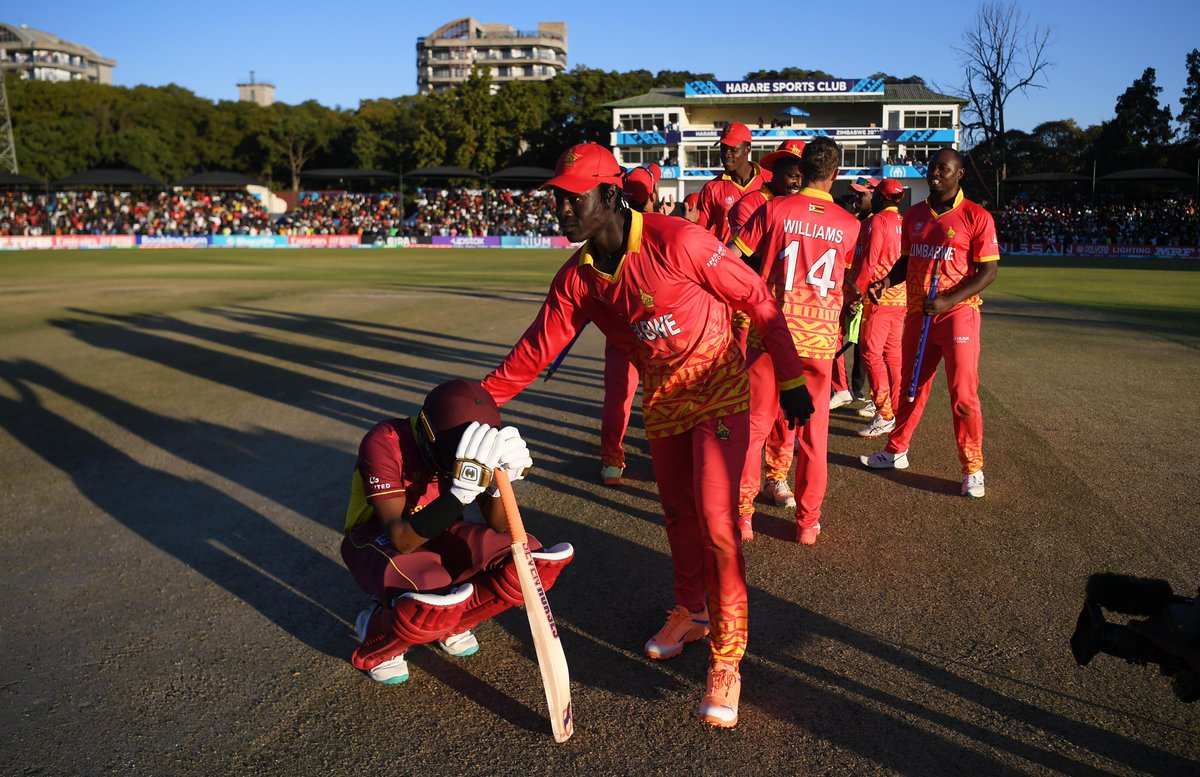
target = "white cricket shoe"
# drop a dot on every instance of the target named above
(840, 399)
(868, 410)
(878, 427)
(391, 672)
(973, 485)
(885, 460)
(460, 645)
(779, 492)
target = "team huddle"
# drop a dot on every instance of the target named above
(732, 318)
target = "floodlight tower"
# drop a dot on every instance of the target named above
(8, 150)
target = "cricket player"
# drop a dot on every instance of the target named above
(960, 237)
(431, 575)
(660, 288)
(801, 245)
(848, 388)
(741, 176)
(883, 321)
(780, 445)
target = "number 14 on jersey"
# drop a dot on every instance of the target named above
(819, 275)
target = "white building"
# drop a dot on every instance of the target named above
(446, 56)
(40, 56)
(885, 130)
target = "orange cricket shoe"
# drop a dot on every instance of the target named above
(719, 707)
(682, 626)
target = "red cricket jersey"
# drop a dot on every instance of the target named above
(390, 465)
(666, 307)
(958, 238)
(878, 249)
(719, 195)
(804, 241)
(744, 208)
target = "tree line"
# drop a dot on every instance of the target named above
(169, 132)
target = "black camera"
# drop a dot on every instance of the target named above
(1168, 635)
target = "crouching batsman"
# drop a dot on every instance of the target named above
(660, 289)
(433, 576)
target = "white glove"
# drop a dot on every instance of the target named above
(476, 457)
(514, 457)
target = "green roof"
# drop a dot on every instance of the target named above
(893, 93)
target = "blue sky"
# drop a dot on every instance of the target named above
(340, 53)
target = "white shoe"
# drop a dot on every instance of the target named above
(611, 475)
(391, 672)
(973, 485)
(878, 427)
(780, 493)
(885, 460)
(868, 410)
(840, 399)
(460, 645)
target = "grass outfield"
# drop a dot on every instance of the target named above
(1163, 295)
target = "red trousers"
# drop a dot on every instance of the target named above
(779, 449)
(812, 473)
(455, 556)
(880, 341)
(620, 385)
(953, 336)
(697, 473)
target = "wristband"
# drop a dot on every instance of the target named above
(434, 517)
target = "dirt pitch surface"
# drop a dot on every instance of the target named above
(174, 601)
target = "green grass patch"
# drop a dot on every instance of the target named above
(1162, 295)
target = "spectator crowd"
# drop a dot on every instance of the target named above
(126, 213)
(1165, 221)
(454, 211)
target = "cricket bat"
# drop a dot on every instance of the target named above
(916, 376)
(551, 659)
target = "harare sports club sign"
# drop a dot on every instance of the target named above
(829, 86)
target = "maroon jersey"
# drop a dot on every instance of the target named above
(390, 465)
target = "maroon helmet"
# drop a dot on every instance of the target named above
(448, 410)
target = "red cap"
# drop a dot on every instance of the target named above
(639, 183)
(734, 134)
(865, 184)
(692, 199)
(787, 149)
(583, 167)
(890, 188)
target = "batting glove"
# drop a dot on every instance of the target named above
(514, 457)
(477, 455)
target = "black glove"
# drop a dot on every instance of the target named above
(797, 405)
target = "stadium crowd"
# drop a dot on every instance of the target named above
(438, 212)
(126, 213)
(1165, 221)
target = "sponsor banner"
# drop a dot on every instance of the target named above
(43, 242)
(804, 133)
(250, 241)
(920, 136)
(323, 241)
(1101, 250)
(904, 171)
(540, 241)
(467, 241)
(169, 241)
(751, 88)
(647, 138)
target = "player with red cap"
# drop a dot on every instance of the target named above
(431, 575)
(801, 245)
(959, 237)
(784, 165)
(659, 288)
(740, 177)
(883, 321)
(848, 387)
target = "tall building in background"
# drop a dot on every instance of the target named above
(40, 56)
(446, 56)
(253, 91)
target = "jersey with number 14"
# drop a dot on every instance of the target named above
(805, 242)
